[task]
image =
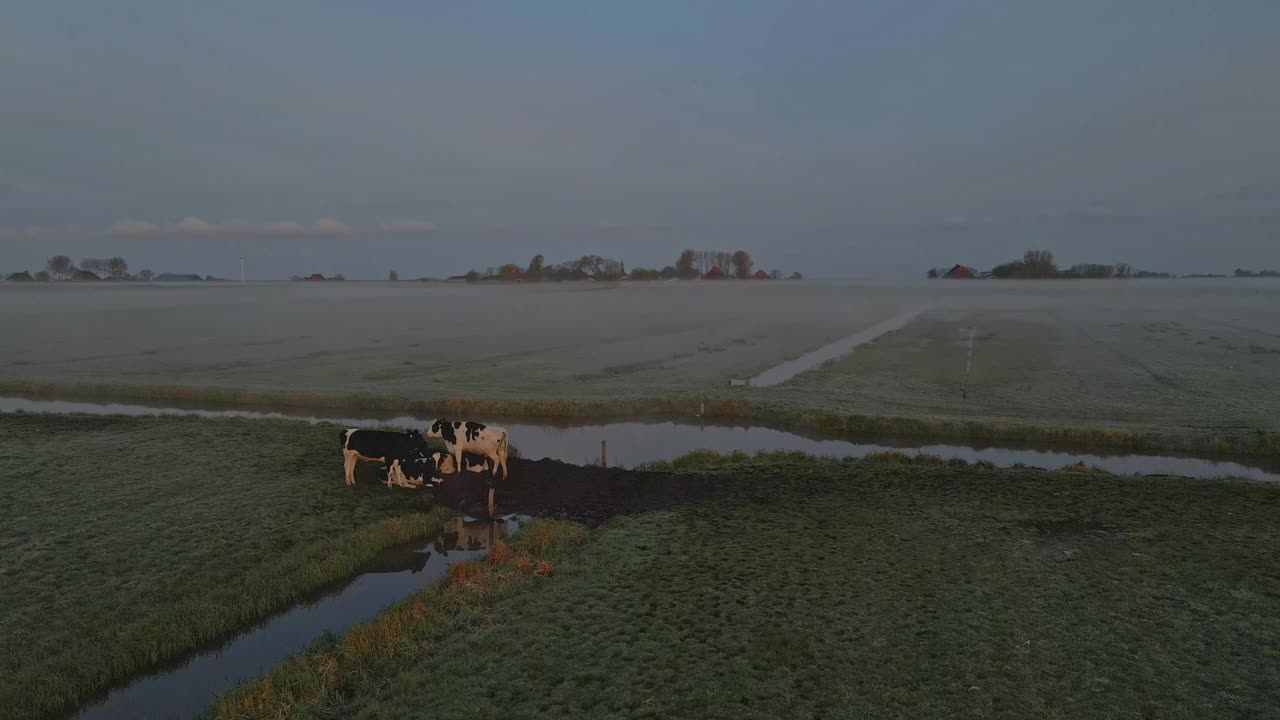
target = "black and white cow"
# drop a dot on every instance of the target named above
(472, 437)
(419, 469)
(379, 446)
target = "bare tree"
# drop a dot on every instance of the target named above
(1039, 264)
(393, 276)
(706, 260)
(116, 267)
(97, 266)
(146, 275)
(610, 268)
(742, 263)
(724, 259)
(687, 265)
(59, 266)
(536, 265)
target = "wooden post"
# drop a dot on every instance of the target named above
(604, 453)
(491, 503)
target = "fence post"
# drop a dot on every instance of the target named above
(604, 453)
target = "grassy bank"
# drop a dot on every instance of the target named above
(1256, 442)
(318, 681)
(129, 541)
(818, 588)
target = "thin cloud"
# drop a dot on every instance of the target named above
(194, 227)
(1098, 212)
(330, 227)
(955, 223)
(407, 227)
(132, 228)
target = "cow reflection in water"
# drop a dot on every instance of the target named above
(471, 535)
(400, 561)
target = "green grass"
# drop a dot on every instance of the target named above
(125, 542)
(1245, 442)
(318, 681)
(818, 588)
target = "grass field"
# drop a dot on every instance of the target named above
(530, 342)
(1174, 357)
(825, 589)
(1201, 360)
(126, 541)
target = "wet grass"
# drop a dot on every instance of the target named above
(1257, 442)
(317, 681)
(819, 588)
(1074, 362)
(127, 542)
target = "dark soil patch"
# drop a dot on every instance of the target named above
(588, 495)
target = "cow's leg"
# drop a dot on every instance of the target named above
(491, 503)
(349, 461)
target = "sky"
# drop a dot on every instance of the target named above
(861, 139)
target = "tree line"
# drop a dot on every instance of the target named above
(62, 267)
(691, 264)
(1039, 264)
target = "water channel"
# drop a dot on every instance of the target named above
(631, 443)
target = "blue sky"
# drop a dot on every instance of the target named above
(867, 139)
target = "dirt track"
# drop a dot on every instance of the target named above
(586, 494)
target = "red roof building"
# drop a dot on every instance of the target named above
(316, 276)
(715, 273)
(960, 272)
(82, 275)
(760, 275)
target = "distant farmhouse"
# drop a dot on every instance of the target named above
(177, 277)
(960, 272)
(715, 273)
(84, 276)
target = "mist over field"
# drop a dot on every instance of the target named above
(1182, 355)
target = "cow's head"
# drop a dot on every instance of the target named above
(416, 437)
(444, 428)
(437, 428)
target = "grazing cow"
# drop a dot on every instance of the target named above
(379, 446)
(472, 437)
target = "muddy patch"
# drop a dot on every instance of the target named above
(584, 494)
(1063, 540)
